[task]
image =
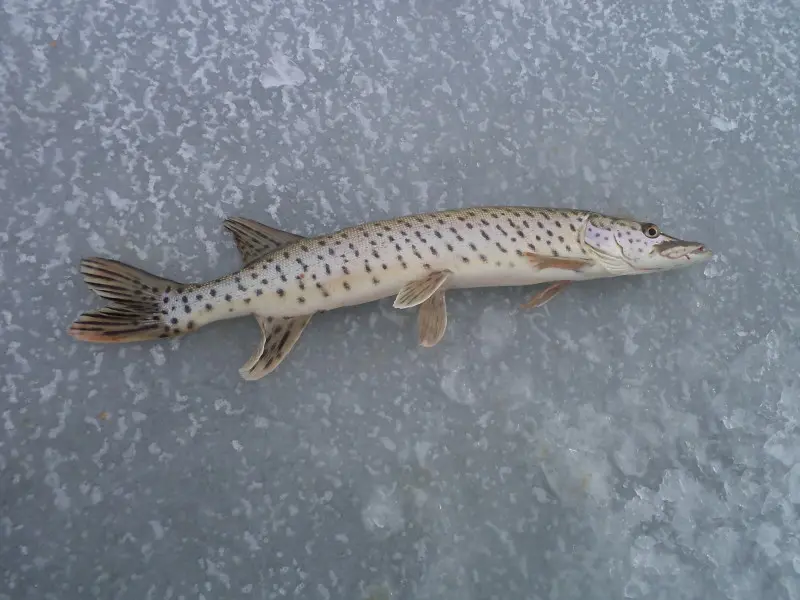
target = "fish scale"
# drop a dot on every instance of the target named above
(287, 278)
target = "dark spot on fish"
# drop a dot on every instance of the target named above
(280, 292)
(561, 239)
(375, 281)
(247, 300)
(301, 300)
(346, 286)
(538, 238)
(572, 227)
(464, 259)
(174, 321)
(450, 247)
(391, 238)
(485, 235)
(550, 233)
(331, 252)
(438, 234)
(264, 281)
(440, 221)
(558, 223)
(187, 309)
(525, 225)
(433, 251)
(259, 291)
(473, 247)
(555, 252)
(166, 300)
(500, 247)
(484, 222)
(327, 269)
(384, 266)
(367, 268)
(239, 279)
(483, 258)
(209, 307)
(228, 297)
(304, 248)
(376, 254)
(184, 299)
(345, 270)
(539, 224)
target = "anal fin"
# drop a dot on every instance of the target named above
(278, 337)
(254, 239)
(418, 291)
(546, 294)
(432, 321)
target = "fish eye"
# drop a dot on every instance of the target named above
(650, 230)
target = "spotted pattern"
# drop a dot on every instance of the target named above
(343, 266)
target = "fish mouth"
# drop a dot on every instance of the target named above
(676, 250)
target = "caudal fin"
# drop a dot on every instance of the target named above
(136, 311)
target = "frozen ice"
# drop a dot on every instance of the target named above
(635, 438)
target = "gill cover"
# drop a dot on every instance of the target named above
(600, 237)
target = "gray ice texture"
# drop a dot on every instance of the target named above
(636, 438)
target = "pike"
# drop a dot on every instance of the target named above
(288, 278)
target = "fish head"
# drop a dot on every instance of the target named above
(627, 246)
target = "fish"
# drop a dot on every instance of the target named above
(286, 278)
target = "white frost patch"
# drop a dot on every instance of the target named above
(282, 72)
(383, 514)
(793, 482)
(767, 537)
(158, 356)
(660, 55)
(723, 124)
(496, 328)
(158, 530)
(458, 387)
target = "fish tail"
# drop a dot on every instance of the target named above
(137, 308)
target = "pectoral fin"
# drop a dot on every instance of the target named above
(554, 262)
(254, 239)
(416, 292)
(278, 337)
(432, 320)
(546, 294)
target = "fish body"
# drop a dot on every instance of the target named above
(288, 278)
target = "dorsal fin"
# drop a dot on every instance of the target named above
(254, 239)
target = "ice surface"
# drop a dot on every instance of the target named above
(637, 438)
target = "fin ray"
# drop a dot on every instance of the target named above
(278, 337)
(554, 262)
(546, 294)
(254, 239)
(134, 311)
(432, 321)
(418, 291)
